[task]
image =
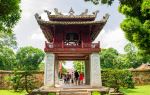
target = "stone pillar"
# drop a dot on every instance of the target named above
(56, 72)
(87, 72)
(49, 69)
(95, 74)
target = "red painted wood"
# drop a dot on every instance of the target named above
(83, 45)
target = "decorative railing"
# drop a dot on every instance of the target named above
(60, 45)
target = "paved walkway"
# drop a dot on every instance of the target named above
(68, 90)
(75, 86)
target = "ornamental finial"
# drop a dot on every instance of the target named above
(37, 17)
(48, 12)
(71, 12)
(84, 13)
(57, 12)
(96, 12)
(105, 18)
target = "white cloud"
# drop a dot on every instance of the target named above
(38, 36)
(114, 38)
(69, 64)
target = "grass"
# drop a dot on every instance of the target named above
(139, 90)
(95, 93)
(11, 92)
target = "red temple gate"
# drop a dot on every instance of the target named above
(70, 37)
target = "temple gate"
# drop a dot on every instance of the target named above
(70, 37)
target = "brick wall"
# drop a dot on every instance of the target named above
(140, 77)
(5, 76)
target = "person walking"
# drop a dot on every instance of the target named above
(65, 78)
(76, 76)
(68, 78)
(81, 77)
(72, 78)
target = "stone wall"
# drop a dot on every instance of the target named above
(5, 77)
(140, 77)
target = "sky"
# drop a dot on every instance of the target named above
(28, 32)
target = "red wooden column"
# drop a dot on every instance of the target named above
(82, 37)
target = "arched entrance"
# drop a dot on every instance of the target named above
(92, 69)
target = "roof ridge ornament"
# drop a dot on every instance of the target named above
(96, 12)
(71, 12)
(105, 18)
(84, 13)
(57, 12)
(38, 18)
(48, 12)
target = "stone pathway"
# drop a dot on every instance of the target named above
(68, 90)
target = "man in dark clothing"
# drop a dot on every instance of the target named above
(76, 75)
(68, 77)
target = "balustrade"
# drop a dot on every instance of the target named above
(60, 45)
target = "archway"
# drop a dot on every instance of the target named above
(67, 72)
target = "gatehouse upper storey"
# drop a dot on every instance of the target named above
(71, 35)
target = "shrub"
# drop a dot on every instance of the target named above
(115, 78)
(23, 81)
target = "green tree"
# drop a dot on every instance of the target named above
(79, 66)
(108, 58)
(121, 62)
(115, 78)
(131, 56)
(28, 60)
(109, 2)
(9, 16)
(143, 57)
(64, 70)
(7, 58)
(137, 23)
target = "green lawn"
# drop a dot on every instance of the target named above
(139, 90)
(11, 92)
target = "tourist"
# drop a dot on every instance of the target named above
(81, 77)
(72, 78)
(76, 75)
(65, 78)
(68, 78)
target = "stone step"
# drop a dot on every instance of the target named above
(74, 90)
(74, 93)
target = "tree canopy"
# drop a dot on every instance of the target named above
(108, 57)
(136, 25)
(9, 16)
(9, 13)
(29, 58)
(79, 66)
(130, 59)
(109, 2)
(7, 59)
